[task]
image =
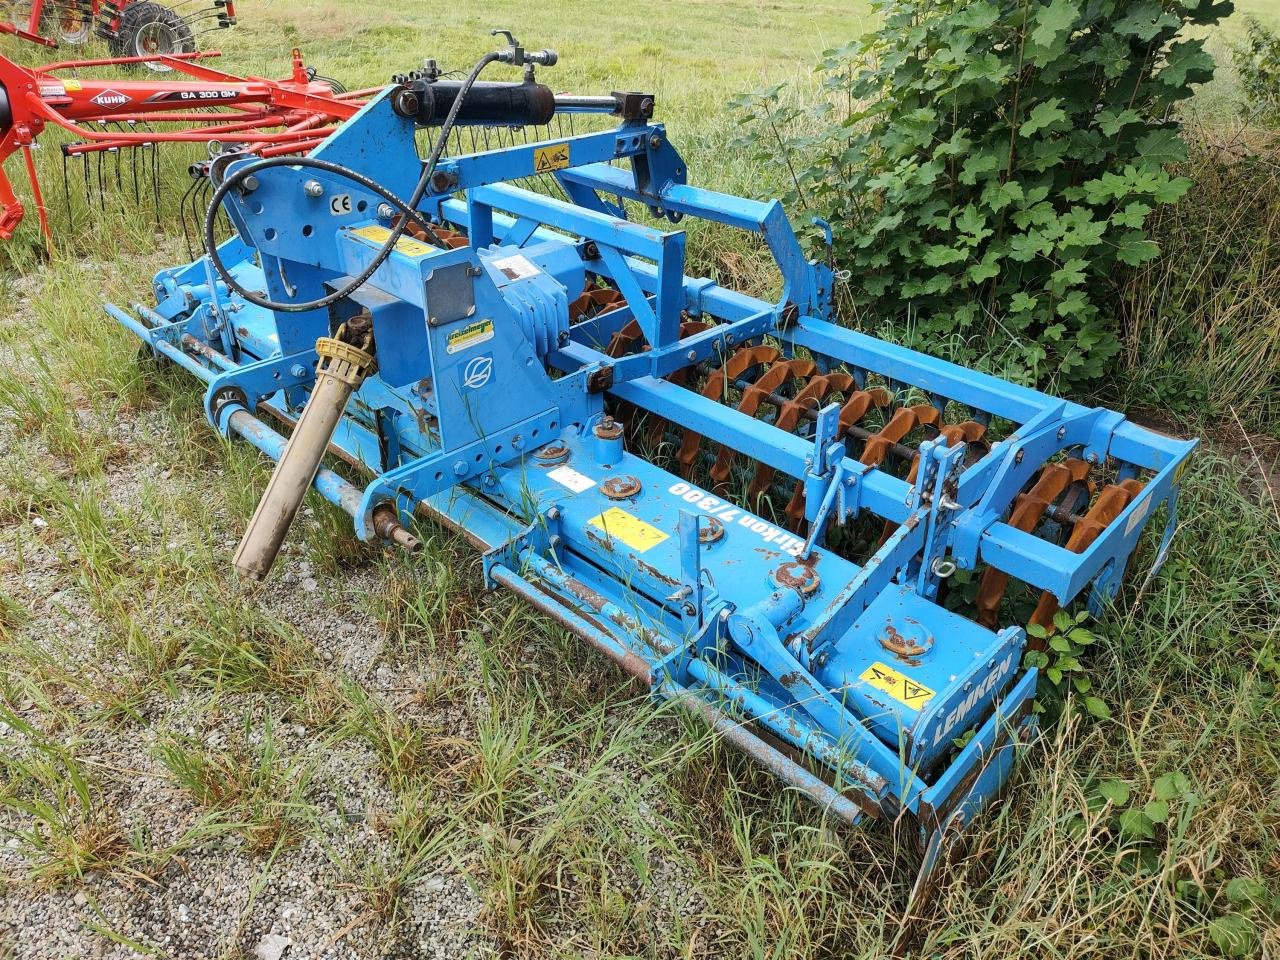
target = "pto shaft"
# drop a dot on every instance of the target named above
(344, 363)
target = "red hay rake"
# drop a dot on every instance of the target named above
(130, 27)
(110, 118)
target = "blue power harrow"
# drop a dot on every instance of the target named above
(752, 510)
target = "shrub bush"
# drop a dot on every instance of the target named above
(1257, 61)
(989, 167)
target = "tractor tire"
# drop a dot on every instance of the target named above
(151, 28)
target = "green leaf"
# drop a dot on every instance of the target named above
(978, 164)
(1111, 122)
(1169, 786)
(977, 16)
(1157, 811)
(1134, 248)
(1073, 303)
(1145, 20)
(1161, 147)
(1116, 791)
(1111, 53)
(1135, 825)
(997, 196)
(1060, 643)
(1186, 63)
(1246, 892)
(1068, 275)
(1028, 246)
(1045, 114)
(1024, 303)
(940, 255)
(1097, 708)
(988, 67)
(1171, 191)
(1053, 21)
(1133, 215)
(1234, 935)
(970, 221)
(982, 272)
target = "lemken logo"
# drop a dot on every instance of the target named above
(477, 372)
(961, 710)
(111, 98)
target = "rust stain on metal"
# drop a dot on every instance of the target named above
(797, 576)
(905, 647)
(608, 429)
(655, 572)
(605, 542)
(552, 453)
(710, 530)
(621, 487)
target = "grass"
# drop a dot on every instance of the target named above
(397, 733)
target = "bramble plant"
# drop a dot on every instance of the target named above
(988, 167)
(1257, 61)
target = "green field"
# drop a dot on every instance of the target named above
(371, 757)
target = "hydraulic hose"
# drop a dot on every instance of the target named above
(409, 208)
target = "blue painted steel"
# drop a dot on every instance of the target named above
(484, 416)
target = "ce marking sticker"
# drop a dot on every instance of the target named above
(340, 205)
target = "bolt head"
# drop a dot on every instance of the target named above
(313, 189)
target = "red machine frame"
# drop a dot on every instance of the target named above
(259, 116)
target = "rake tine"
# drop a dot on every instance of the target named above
(66, 186)
(155, 180)
(133, 170)
(102, 200)
(186, 233)
(88, 189)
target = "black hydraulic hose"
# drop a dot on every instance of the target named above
(409, 209)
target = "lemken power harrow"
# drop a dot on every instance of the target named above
(752, 510)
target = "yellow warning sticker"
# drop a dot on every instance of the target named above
(554, 157)
(73, 86)
(632, 531)
(472, 335)
(405, 245)
(897, 685)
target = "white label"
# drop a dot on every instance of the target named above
(340, 205)
(566, 476)
(1136, 517)
(725, 512)
(516, 267)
